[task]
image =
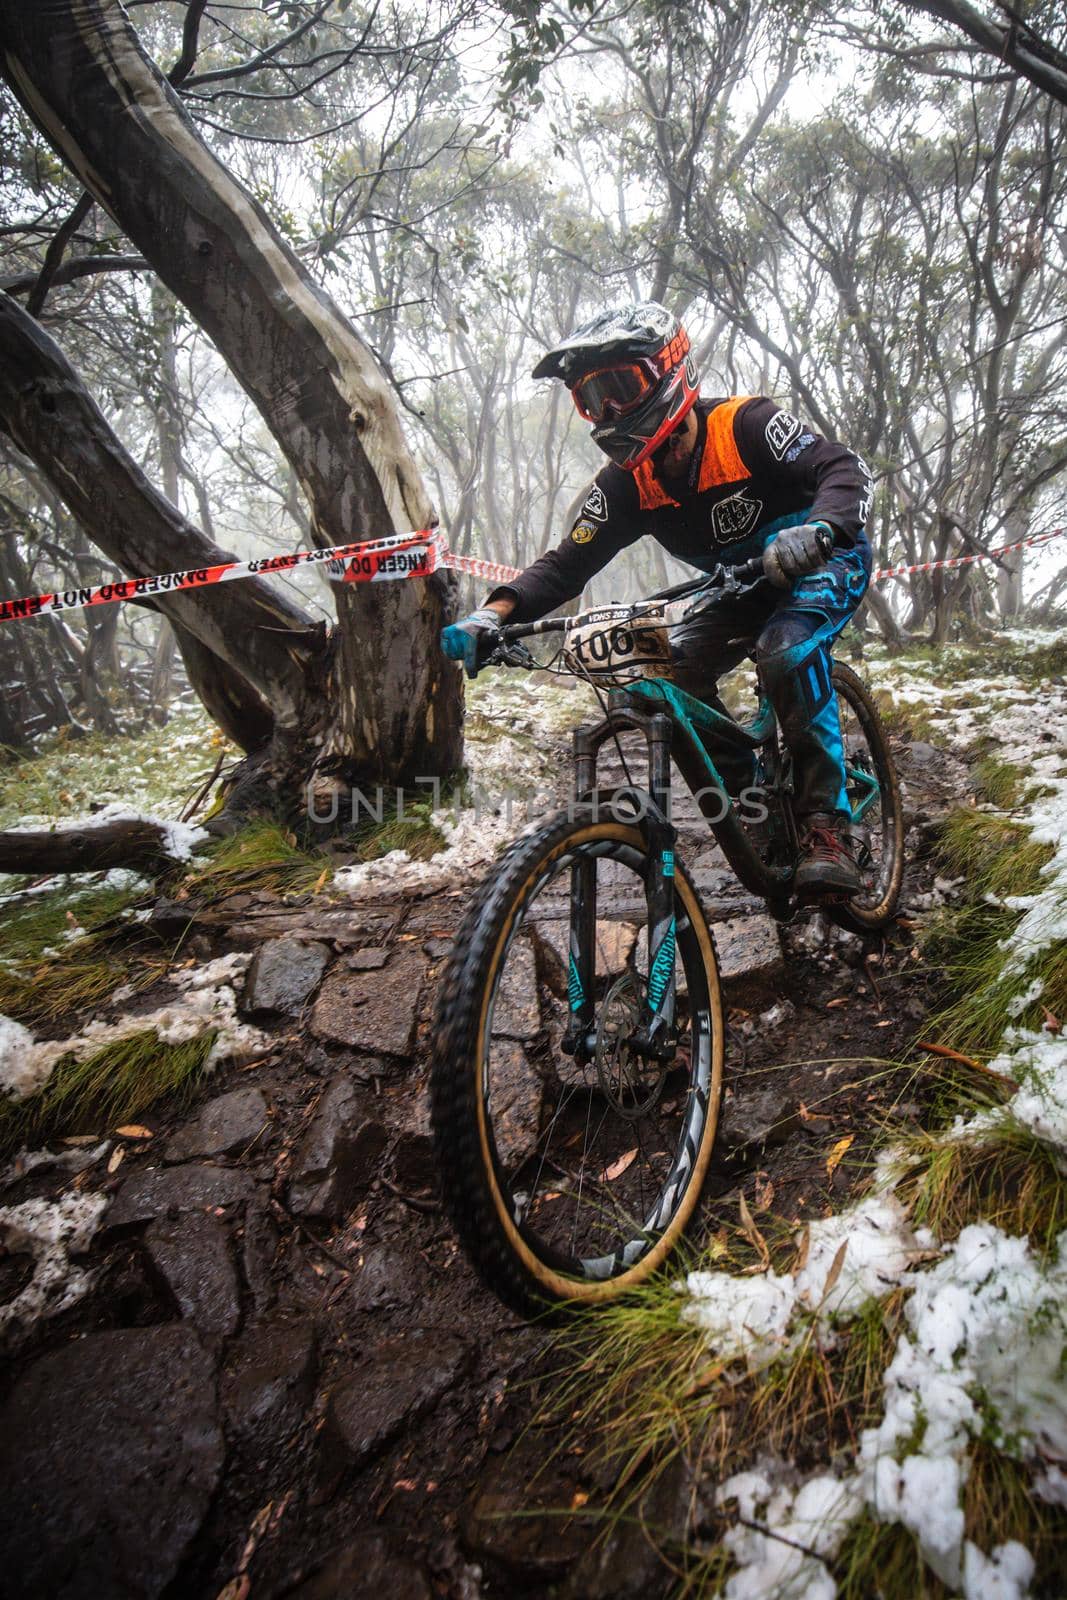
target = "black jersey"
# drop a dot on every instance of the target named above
(753, 467)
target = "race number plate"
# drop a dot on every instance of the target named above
(619, 643)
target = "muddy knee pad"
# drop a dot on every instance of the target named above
(796, 671)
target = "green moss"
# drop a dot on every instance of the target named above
(105, 1090)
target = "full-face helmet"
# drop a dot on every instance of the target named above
(631, 375)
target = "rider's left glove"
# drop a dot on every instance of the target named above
(796, 552)
(472, 639)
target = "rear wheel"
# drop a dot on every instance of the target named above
(874, 797)
(571, 1180)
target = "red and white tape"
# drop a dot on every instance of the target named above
(402, 555)
(965, 561)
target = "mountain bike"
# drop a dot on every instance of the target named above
(577, 1066)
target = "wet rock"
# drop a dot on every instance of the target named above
(283, 976)
(625, 1564)
(169, 1191)
(373, 1011)
(921, 754)
(754, 1122)
(614, 946)
(369, 1568)
(170, 917)
(516, 1012)
(366, 960)
(110, 1452)
(399, 1382)
(518, 1093)
(224, 1127)
(750, 957)
(514, 1517)
(338, 1156)
(259, 1245)
(192, 1256)
(438, 949)
(384, 1276)
(270, 1384)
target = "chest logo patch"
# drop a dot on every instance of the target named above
(595, 504)
(735, 516)
(780, 433)
(582, 532)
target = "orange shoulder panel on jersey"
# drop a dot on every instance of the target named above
(650, 492)
(722, 461)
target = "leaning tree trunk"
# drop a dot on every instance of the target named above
(79, 71)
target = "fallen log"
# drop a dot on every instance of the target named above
(123, 842)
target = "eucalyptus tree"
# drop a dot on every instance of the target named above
(373, 697)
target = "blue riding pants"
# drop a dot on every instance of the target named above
(790, 633)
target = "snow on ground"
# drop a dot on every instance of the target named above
(50, 1231)
(983, 1355)
(512, 785)
(205, 998)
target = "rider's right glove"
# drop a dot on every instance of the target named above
(472, 639)
(796, 552)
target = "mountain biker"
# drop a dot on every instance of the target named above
(714, 480)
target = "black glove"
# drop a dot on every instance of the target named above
(472, 639)
(796, 552)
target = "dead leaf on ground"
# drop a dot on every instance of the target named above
(753, 1235)
(618, 1167)
(835, 1268)
(764, 1193)
(134, 1130)
(578, 1499)
(1052, 1023)
(833, 1160)
(842, 1000)
(116, 1158)
(801, 1259)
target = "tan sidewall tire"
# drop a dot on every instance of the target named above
(556, 1285)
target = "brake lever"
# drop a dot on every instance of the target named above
(512, 654)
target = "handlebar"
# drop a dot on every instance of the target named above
(745, 572)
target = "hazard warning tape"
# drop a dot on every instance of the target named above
(401, 555)
(964, 561)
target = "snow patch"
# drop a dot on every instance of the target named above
(180, 839)
(206, 998)
(51, 1231)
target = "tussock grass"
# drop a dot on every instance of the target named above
(906, 719)
(994, 854)
(112, 1086)
(42, 922)
(1005, 1175)
(1000, 782)
(414, 832)
(264, 856)
(75, 983)
(999, 1504)
(883, 1559)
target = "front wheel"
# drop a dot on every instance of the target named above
(572, 1178)
(874, 798)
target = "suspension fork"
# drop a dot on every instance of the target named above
(654, 1033)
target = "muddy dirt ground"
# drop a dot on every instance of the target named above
(286, 1380)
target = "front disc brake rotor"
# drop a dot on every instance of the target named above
(630, 1084)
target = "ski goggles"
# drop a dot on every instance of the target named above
(614, 391)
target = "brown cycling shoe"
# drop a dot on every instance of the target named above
(826, 865)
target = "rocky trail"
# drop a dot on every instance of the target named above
(284, 1379)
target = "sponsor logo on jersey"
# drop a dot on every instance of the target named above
(805, 442)
(867, 494)
(735, 516)
(595, 504)
(780, 433)
(583, 531)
